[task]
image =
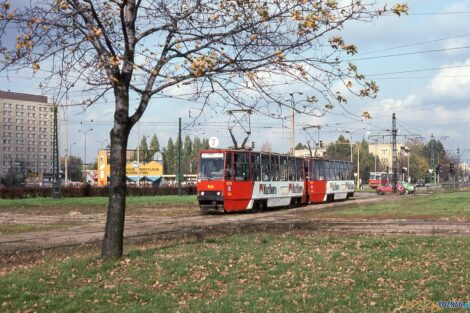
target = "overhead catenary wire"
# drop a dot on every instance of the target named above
(407, 53)
(418, 43)
(420, 70)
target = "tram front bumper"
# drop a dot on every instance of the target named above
(210, 201)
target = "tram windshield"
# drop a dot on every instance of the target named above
(211, 166)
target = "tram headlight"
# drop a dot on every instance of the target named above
(201, 193)
(218, 193)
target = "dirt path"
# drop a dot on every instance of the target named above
(141, 227)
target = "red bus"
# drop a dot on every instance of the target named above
(239, 180)
(377, 179)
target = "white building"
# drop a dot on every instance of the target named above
(26, 133)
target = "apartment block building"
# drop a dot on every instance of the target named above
(384, 153)
(26, 133)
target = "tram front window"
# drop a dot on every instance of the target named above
(211, 166)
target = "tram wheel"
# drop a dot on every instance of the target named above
(257, 206)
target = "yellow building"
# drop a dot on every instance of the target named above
(149, 172)
(383, 152)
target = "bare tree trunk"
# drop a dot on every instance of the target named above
(112, 246)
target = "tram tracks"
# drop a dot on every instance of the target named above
(142, 227)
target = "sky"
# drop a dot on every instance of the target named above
(421, 63)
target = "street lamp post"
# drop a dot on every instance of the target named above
(350, 137)
(358, 169)
(408, 166)
(292, 130)
(350, 141)
(358, 164)
(85, 132)
(68, 152)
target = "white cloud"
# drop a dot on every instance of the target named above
(452, 82)
(391, 105)
(454, 43)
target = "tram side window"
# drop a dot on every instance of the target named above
(331, 166)
(265, 168)
(241, 166)
(383, 177)
(256, 166)
(325, 169)
(275, 167)
(334, 170)
(228, 166)
(283, 167)
(307, 170)
(291, 169)
(342, 172)
(339, 170)
(326, 166)
(317, 170)
(299, 169)
(312, 170)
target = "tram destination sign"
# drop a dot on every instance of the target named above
(212, 155)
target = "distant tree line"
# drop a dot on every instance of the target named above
(420, 159)
(419, 163)
(169, 153)
(341, 150)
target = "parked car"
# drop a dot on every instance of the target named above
(420, 183)
(409, 188)
(388, 188)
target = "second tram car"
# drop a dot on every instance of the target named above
(377, 179)
(239, 180)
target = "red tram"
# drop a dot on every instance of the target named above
(377, 179)
(239, 180)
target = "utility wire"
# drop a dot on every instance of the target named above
(407, 53)
(439, 13)
(412, 44)
(420, 70)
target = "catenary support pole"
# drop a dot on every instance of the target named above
(138, 153)
(433, 159)
(179, 157)
(394, 153)
(66, 158)
(55, 158)
(358, 168)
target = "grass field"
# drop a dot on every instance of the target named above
(145, 205)
(439, 205)
(94, 201)
(251, 273)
